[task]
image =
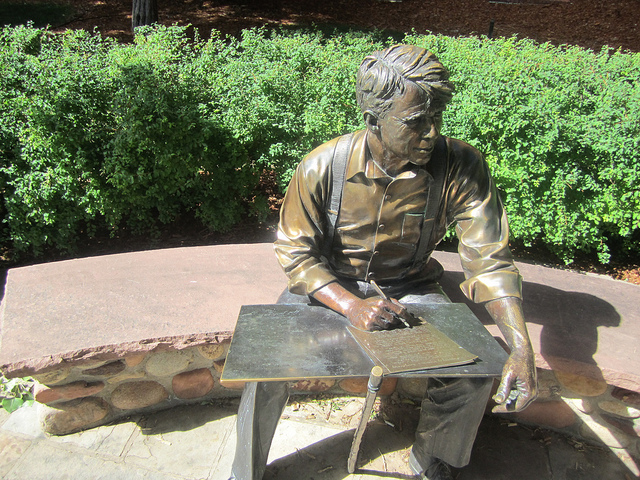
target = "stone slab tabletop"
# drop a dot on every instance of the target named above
(576, 321)
(133, 299)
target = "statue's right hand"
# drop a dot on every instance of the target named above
(375, 313)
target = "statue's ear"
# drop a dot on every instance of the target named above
(371, 120)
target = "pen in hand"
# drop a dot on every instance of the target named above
(383, 295)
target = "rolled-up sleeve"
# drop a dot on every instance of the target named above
(483, 233)
(300, 238)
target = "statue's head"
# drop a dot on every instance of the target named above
(402, 92)
(386, 75)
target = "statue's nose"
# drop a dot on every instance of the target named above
(430, 131)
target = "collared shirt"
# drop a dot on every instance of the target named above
(380, 223)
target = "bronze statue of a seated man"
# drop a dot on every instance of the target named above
(373, 205)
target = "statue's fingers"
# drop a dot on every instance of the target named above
(510, 405)
(385, 319)
(500, 409)
(400, 308)
(504, 388)
(522, 402)
(526, 395)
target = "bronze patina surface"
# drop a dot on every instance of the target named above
(289, 342)
(421, 347)
(372, 206)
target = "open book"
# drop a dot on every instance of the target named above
(420, 347)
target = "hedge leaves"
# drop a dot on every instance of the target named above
(96, 136)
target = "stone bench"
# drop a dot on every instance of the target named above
(114, 335)
(106, 337)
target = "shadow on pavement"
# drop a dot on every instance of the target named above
(183, 418)
(506, 451)
(502, 451)
(380, 455)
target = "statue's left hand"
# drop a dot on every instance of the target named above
(518, 387)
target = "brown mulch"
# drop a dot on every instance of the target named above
(626, 269)
(588, 23)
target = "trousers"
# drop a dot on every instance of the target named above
(452, 408)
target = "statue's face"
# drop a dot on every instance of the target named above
(409, 129)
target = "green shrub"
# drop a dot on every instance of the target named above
(16, 393)
(283, 95)
(171, 151)
(55, 125)
(97, 136)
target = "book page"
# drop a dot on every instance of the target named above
(408, 349)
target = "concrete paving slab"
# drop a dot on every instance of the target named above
(583, 462)
(24, 421)
(185, 439)
(198, 442)
(385, 452)
(11, 450)
(505, 451)
(4, 416)
(47, 462)
(502, 452)
(223, 458)
(109, 440)
(306, 451)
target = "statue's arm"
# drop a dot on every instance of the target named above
(518, 387)
(491, 277)
(299, 243)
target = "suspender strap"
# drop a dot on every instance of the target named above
(437, 167)
(338, 172)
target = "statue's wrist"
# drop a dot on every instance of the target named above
(350, 309)
(524, 350)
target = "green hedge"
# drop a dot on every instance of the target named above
(96, 136)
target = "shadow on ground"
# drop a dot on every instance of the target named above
(569, 320)
(502, 451)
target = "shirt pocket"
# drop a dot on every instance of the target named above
(411, 228)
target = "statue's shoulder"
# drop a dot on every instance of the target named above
(319, 160)
(322, 153)
(462, 150)
(467, 162)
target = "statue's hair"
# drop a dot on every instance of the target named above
(384, 74)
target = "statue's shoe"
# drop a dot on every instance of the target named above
(435, 470)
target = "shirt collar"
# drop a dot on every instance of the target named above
(358, 155)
